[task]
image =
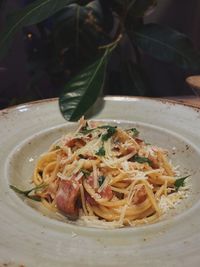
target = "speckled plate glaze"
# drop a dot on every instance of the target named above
(30, 237)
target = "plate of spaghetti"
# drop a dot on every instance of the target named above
(103, 190)
(105, 175)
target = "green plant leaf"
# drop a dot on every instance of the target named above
(136, 12)
(119, 6)
(33, 13)
(103, 13)
(167, 45)
(77, 35)
(132, 79)
(139, 7)
(83, 90)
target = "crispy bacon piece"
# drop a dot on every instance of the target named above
(90, 200)
(140, 195)
(66, 198)
(122, 151)
(106, 192)
(78, 142)
(90, 181)
(154, 162)
(138, 140)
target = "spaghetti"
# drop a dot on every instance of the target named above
(107, 175)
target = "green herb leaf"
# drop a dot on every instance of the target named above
(180, 182)
(134, 131)
(26, 193)
(101, 180)
(105, 127)
(101, 152)
(110, 132)
(85, 130)
(139, 159)
(85, 172)
(34, 197)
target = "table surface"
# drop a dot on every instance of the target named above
(190, 100)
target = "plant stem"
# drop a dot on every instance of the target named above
(137, 52)
(113, 44)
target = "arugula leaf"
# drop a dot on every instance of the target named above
(180, 182)
(105, 127)
(137, 158)
(101, 179)
(85, 172)
(134, 131)
(34, 197)
(101, 152)
(27, 192)
(85, 130)
(110, 132)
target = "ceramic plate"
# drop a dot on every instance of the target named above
(30, 237)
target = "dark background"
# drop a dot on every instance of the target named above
(165, 79)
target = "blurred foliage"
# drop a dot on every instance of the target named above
(75, 41)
